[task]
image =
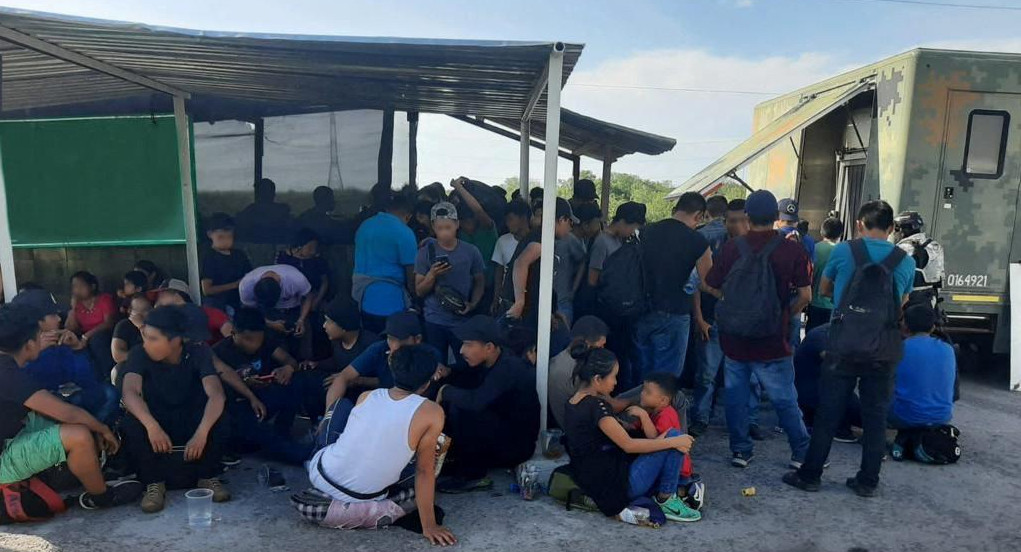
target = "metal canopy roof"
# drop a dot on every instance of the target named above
(239, 76)
(591, 137)
(807, 111)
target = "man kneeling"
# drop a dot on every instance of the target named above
(363, 480)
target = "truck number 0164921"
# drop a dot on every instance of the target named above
(967, 280)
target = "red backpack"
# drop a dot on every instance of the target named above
(30, 500)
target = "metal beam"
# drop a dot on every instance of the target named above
(604, 197)
(576, 168)
(509, 134)
(188, 197)
(413, 148)
(549, 197)
(524, 139)
(260, 145)
(536, 93)
(38, 45)
(741, 182)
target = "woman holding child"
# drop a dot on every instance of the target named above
(601, 448)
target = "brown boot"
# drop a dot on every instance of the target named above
(155, 498)
(220, 491)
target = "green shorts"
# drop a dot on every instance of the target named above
(37, 447)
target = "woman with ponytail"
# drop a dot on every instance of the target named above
(601, 449)
(588, 332)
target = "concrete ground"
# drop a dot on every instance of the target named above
(974, 505)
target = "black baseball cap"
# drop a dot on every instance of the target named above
(402, 325)
(40, 301)
(588, 211)
(344, 313)
(480, 328)
(585, 190)
(219, 221)
(564, 210)
(631, 212)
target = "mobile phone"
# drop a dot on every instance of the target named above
(443, 259)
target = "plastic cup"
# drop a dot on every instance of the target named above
(200, 507)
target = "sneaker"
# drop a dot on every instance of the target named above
(741, 459)
(859, 489)
(795, 480)
(676, 510)
(694, 495)
(155, 498)
(220, 491)
(755, 432)
(697, 429)
(460, 485)
(229, 459)
(121, 493)
(845, 436)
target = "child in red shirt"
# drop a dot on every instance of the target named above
(658, 393)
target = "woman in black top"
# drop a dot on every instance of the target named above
(609, 465)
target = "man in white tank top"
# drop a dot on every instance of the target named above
(362, 480)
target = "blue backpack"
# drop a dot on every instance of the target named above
(750, 307)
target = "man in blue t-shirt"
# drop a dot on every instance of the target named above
(384, 278)
(371, 370)
(924, 392)
(874, 379)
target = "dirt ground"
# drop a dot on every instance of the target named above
(973, 505)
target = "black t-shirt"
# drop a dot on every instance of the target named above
(532, 287)
(16, 389)
(128, 332)
(669, 251)
(508, 392)
(598, 466)
(170, 387)
(258, 363)
(313, 269)
(224, 269)
(342, 357)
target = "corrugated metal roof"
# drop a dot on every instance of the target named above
(587, 136)
(809, 110)
(238, 75)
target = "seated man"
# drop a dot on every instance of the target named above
(924, 392)
(64, 369)
(267, 370)
(371, 371)
(348, 341)
(362, 480)
(174, 401)
(128, 332)
(176, 292)
(39, 430)
(809, 360)
(496, 424)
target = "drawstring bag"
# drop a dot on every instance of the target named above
(30, 500)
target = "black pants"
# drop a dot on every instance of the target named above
(619, 342)
(875, 387)
(374, 323)
(102, 357)
(171, 468)
(479, 443)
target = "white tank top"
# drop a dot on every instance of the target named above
(373, 450)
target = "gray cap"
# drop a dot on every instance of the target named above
(443, 210)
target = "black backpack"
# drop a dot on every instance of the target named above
(750, 307)
(865, 325)
(928, 445)
(622, 281)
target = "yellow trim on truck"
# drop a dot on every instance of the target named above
(976, 298)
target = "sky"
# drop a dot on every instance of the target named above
(727, 55)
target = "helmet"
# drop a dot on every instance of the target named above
(908, 223)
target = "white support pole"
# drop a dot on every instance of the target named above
(526, 136)
(1015, 326)
(187, 197)
(6, 243)
(549, 219)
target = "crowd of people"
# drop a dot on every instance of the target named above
(422, 378)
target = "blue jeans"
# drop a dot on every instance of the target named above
(246, 431)
(709, 358)
(777, 378)
(334, 422)
(566, 308)
(795, 338)
(282, 403)
(102, 401)
(443, 338)
(656, 471)
(661, 341)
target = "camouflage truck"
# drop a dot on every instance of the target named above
(932, 131)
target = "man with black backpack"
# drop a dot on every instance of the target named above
(753, 277)
(869, 279)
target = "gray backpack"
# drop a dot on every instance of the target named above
(751, 307)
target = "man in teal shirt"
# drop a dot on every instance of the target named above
(821, 307)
